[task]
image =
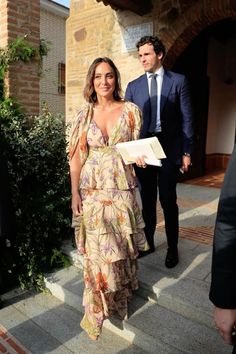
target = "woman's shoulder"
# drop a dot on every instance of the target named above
(82, 112)
(84, 108)
(132, 107)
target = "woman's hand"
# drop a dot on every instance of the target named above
(140, 162)
(76, 204)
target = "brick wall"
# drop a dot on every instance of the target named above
(20, 18)
(94, 29)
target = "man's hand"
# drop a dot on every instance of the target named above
(225, 322)
(186, 162)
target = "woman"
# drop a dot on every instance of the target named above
(103, 192)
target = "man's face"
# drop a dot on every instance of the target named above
(149, 59)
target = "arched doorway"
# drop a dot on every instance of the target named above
(209, 62)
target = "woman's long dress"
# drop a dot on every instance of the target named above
(112, 231)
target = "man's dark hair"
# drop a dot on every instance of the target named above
(155, 41)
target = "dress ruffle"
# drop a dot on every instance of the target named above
(111, 226)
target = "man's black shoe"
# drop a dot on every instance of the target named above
(172, 258)
(146, 253)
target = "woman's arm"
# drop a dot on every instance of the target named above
(75, 169)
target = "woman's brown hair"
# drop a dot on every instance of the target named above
(89, 92)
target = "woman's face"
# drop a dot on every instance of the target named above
(104, 81)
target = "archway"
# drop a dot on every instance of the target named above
(209, 63)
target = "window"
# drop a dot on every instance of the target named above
(61, 78)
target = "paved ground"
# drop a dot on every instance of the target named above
(25, 317)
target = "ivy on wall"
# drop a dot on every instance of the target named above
(21, 50)
(35, 151)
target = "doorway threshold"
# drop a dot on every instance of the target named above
(212, 179)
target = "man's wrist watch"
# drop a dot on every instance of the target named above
(187, 154)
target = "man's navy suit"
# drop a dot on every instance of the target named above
(176, 138)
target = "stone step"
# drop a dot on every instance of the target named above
(44, 324)
(183, 289)
(150, 327)
(67, 285)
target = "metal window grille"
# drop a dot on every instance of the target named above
(62, 78)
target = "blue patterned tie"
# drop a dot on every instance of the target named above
(153, 101)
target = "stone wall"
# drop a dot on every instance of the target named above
(94, 29)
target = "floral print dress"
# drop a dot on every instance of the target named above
(112, 231)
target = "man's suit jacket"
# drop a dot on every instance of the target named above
(223, 283)
(175, 112)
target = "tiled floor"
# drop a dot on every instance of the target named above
(9, 344)
(203, 234)
(213, 179)
(200, 233)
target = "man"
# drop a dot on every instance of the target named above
(223, 282)
(164, 98)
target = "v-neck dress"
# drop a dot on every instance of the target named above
(112, 226)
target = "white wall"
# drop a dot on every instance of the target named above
(222, 103)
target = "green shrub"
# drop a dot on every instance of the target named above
(35, 148)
